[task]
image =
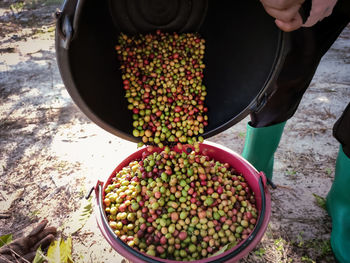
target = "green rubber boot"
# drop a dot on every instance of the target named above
(260, 146)
(338, 207)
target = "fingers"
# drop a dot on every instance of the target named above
(291, 25)
(286, 13)
(38, 228)
(44, 242)
(40, 232)
(46, 232)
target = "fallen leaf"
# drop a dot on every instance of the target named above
(66, 250)
(39, 256)
(60, 251)
(5, 239)
(53, 253)
(225, 248)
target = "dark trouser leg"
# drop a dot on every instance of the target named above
(308, 45)
(341, 130)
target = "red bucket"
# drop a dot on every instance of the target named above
(256, 180)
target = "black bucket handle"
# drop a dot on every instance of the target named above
(67, 20)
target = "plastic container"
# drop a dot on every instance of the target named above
(256, 180)
(243, 54)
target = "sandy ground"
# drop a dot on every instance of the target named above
(51, 154)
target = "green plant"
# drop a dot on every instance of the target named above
(242, 135)
(325, 246)
(307, 259)
(291, 172)
(320, 201)
(329, 170)
(280, 250)
(39, 256)
(300, 241)
(279, 244)
(321, 245)
(260, 252)
(17, 7)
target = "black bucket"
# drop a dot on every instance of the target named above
(244, 51)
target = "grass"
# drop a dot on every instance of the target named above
(277, 247)
(300, 240)
(17, 7)
(241, 135)
(260, 252)
(315, 248)
(307, 259)
(280, 251)
(273, 248)
(291, 172)
(322, 246)
(329, 171)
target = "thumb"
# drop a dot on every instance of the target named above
(292, 25)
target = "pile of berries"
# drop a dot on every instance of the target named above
(179, 204)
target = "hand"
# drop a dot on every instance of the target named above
(287, 14)
(24, 249)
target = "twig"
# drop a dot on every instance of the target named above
(16, 254)
(2, 196)
(4, 215)
(5, 259)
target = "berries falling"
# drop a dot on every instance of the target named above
(162, 76)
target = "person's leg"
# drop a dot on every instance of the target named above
(308, 45)
(341, 130)
(338, 198)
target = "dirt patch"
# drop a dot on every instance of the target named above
(52, 154)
